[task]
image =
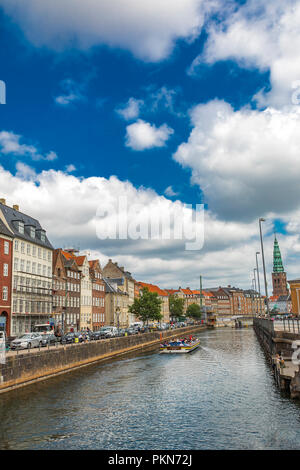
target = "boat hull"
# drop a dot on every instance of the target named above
(179, 349)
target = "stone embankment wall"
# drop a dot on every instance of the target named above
(28, 367)
(280, 342)
(274, 342)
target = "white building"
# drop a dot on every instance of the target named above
(31, 270)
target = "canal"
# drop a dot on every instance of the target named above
(221, 396)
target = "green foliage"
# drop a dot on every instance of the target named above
(193, 311)
(147, 306)
(176, 306)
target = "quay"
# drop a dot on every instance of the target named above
(281, 337)
(26, 367)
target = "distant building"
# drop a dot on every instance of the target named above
(278, 274)
(280, 304)
(295, 296)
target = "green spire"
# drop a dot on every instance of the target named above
(277, 261)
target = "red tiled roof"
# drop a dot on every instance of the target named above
(153, 288)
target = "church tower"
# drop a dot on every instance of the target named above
(278, 274)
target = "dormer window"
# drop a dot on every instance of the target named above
(20, 226)
(32, 232)
(41, 234)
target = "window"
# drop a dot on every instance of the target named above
(21, 227)
(16, 245)
(6, 248)
(34, 251)
(28, 249)
(22, 247)
(5, 293)
(32, 232)
(33, 268)
(43, 237)
(39, 252)
(5, 269)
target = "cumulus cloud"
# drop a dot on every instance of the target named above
(142, 135)
(10, 144)
(72, 93)
(264, 35)
(70, 209)
(148, 29)
(246, 162)
(131, 109)
(169, 191)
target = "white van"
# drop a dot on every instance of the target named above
(108, 331)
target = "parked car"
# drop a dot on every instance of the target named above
(109, 331)
(95, 335)
(27, 341)
(49, 338)
(68, 338)
(131, 331)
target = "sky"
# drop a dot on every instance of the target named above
(164, 104)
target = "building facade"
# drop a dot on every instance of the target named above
(31, 270)
(98, 295)
(163, 296)
(115, 272)
(6, 247)
(116, 304)
(66, 292)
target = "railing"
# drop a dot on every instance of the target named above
(291, 325)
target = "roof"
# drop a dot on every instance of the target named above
(154, 288)
(171, 291)
(110, 288)
(4, 230)
(11, 215)
(79, 260)
(187, 291)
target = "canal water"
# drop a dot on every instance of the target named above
(222, 396)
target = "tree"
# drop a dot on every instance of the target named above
(147, 306)
(193, 311)
(176, 306)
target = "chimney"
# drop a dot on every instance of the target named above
(16, 207)
(3, 201)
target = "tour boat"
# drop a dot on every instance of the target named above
(179, 346)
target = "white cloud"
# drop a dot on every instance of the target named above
(131, 110)
(264, 35)
(169, 191)
(246, 162)
(67, 208)
(72, 92)
(142, 135)
(148, 29)
(10, 144)
(70, 168)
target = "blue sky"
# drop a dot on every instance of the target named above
(209, 98)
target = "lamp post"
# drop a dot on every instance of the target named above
(263, 260)
(255, 291)
(258, 253)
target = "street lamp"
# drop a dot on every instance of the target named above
(255, 291)
(263, 260)
(258, 253)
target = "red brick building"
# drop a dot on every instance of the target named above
(66, 291)
(6, 247)
(98, 295)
